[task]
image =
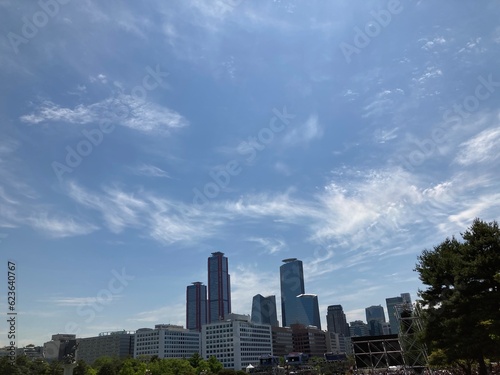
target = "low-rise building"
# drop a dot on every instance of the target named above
(118, 344)
(166, 341)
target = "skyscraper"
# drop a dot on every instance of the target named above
(375, 313)
(309, 310)
(219, 287)
(375, 317)
(292, 285)
(392, 304)
(264, 310)
(336, 321)
(196, 306)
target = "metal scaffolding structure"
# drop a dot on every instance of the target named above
(410, 323)
(376, 352)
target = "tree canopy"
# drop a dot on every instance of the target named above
(461, 304)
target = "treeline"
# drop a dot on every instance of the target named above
(115, 366)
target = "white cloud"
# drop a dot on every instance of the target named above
(304, 133)
(125, 110)
(60, 227)
(271, 245)
(149, 171)
(483, 148)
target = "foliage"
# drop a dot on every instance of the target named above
(462, 301)
(115, 366)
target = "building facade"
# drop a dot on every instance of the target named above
(61, 346)
(309, 340)
(236, 342)
(118, 344)
(336, 320)
(292, 285)
(359, 328)
(309, 310)
(264, 310)
(375, 318)
(166, 341)
(392, 309)
(196, 306)
(282, 341)
(219, 287)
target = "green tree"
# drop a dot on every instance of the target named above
(107, 369)
(461, 311)
(214, 365)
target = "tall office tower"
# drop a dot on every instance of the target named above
(375, 317)
(336, 321)
(264, 310)
(309, 310)
(196, 306)
(292, 285)
(375, 313)
(219, 288)
(392, 311)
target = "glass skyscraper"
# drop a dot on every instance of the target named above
(219, 287)
(292, 285)
(264, 310)
(309, 310)
(392, 304)
(196, 306)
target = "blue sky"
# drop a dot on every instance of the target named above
(139, 137)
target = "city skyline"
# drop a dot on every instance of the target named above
(140, 137)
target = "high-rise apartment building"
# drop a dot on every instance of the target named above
(219, 287)
(392, 311)
(196, 306)
(264, 310)
(336, 321)
(292, 285)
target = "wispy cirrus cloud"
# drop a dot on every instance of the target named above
(271, 245)
(483, 148)
(60, 227)
(125, 110)
(149, 170)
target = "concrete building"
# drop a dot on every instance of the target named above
(118, 344)
(61, 346)
(236, 342)
(166, 341)
(336, 320)
(336, 343)
(282, 341)
(219, 287)
(309, 340)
